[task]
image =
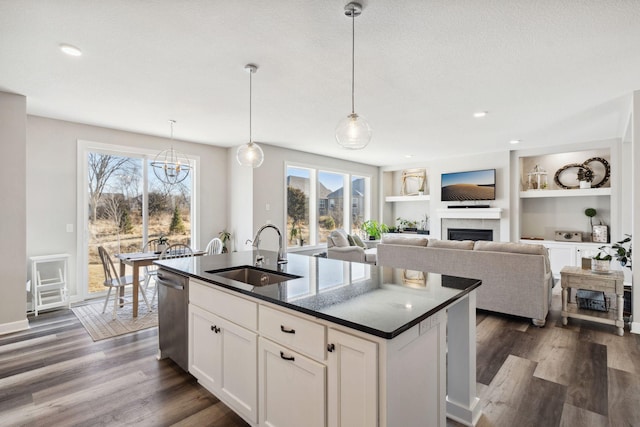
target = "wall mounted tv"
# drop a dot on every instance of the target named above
(468, 186)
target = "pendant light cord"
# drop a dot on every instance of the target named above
(250, 91)
(353, 61)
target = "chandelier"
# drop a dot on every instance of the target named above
(171, 166)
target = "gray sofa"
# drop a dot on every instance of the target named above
(516, 277)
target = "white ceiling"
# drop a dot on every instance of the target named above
(548, 72)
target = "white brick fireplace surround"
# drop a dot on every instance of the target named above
(477, 219)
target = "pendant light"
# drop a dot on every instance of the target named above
(171, 166)
(353, 132)
(250, 154)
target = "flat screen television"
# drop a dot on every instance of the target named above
(468, 186)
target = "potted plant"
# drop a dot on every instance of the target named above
(585, 176)
(374, 229)
(163, 243)
(225, 236)
(406, 225)
(618, 250)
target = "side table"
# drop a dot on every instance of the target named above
(578, 278)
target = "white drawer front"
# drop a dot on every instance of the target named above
(294, 332)
(236, 309)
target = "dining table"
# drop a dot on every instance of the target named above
(137, 260)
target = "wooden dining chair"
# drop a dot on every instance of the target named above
(214, 247)
(150, 271)
(112, 279)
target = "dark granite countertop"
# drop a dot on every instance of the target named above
(381, 301)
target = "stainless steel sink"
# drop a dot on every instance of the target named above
(253, 276)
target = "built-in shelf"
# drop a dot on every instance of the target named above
(422, 198)
(474, 213)
(578, 192)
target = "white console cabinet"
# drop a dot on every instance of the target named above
(563, 254)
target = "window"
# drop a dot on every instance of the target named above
(319, 201)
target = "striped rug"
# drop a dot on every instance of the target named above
(101, 326)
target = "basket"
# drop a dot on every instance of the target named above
(593, 300)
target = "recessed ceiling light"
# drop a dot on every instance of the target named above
(408, 156)
(479, 114)
(70, 50)
(515, 141)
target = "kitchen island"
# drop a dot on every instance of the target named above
(333, 343)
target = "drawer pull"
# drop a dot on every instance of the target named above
(291, 358)
(287, 330)
(215, 329)
(331, 347)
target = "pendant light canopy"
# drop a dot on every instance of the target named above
(250, 154)
(171, 166)
(353, 132)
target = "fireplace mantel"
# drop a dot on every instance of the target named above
(471, 213)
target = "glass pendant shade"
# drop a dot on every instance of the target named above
(353, 132)
(250, 154)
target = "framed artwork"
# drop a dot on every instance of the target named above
(413, 182)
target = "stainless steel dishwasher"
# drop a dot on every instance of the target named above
(173, 297)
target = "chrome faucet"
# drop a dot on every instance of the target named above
(282, 255)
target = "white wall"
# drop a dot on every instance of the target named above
(415, 210)
(51, 183)
(13, 225)
(269, 188)
(635, 197)
(240, 203)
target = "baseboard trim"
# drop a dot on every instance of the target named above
(8, 328)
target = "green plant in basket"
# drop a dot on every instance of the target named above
(618, 250)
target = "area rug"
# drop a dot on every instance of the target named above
(102, 326)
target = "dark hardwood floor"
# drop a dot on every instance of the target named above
(55, 375)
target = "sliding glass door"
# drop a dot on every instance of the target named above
(126, 205)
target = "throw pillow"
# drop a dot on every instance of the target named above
(512, 247)
(451, 244)
(339, 239)
(350, 239)
(358, 241)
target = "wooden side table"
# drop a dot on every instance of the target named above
(578, 278)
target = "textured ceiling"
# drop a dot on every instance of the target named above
(548, 72)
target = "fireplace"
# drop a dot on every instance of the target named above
(469, 234)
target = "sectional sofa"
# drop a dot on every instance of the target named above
(516, 277)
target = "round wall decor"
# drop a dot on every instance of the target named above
(604, 170)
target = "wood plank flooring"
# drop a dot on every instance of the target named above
(581, 374)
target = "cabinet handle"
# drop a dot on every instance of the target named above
(215, 329)
(331, 347)
(291, 358)
(287, 330)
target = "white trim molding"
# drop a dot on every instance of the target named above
(8, 328)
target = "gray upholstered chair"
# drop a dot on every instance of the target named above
(339, 247)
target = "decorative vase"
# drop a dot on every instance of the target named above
(585, 184)
(161, 247)
(600, 265)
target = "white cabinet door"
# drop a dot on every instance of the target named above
(204, 348)
(223, 358)
(292, 388)
(560, 256)
(353, 381)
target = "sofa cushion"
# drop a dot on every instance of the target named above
(371, 255)
(339, 238)
(358, 241)
(399, 240)
(451, 244)
(350, 240)
(515, 248)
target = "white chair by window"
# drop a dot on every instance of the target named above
(214, 247)
(113, 280)
(178, 250)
